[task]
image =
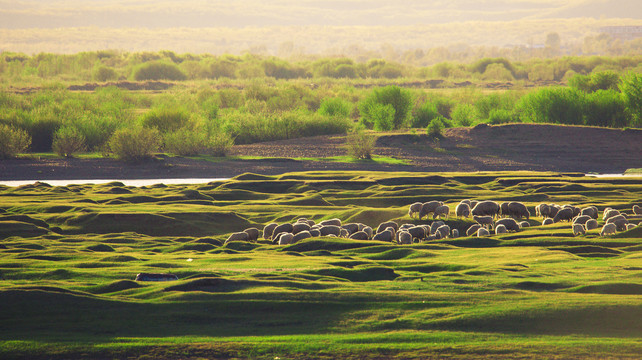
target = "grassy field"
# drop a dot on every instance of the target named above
(69, 256)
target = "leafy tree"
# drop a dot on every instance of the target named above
(67, 141)
(158, 70)
(631, 88)
(399, 99)
(12, 141)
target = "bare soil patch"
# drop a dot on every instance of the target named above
(482, 148)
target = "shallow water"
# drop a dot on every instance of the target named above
(129, 182)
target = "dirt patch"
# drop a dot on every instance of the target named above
(484, 148)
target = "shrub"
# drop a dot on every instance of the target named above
(335, 107)
(423, 115)
(360, 144)
(604, 80)
(500, 116)
(399, 99)
(166, 119)
(134, 144)
(67, 141)
(184, 142)
(553, 105)
(12, 141)
(219, 144)
(158, 70)
(103, 73)
(436, 127)
(464, 114)
(631, 88)
(606, 108)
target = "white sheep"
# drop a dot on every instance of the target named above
(335, 222)
(472, 230)
(405, 238)
(578, 229)
(462, 210)
(443, 231)
(268, 229)
(630, 226)
(434, 226)
(414, 209)
(252, 234)
(442, 210)
(486, 221)
(286, 239)
(237, 236)
(360, 235)
(301, 235)
(608, 229)
(609, 213)
(482, 232)
(547, 221)
(500, 229)
(637, 210)
(524, 224)
(591, 224)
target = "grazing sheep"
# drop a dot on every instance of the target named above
(237, 236)
(344, 233)
(368, 230)
(417, 232)
(620, 221)
(509, 223)
(541, 210)
(466, 201)
(582, 219)
(385, 235)
(503, 209)
(576, 210)
(578, 229)
(472, 204)
(547, 221)
(553, 210)
(472, 229)
(300, 226)
(276, 237)
(315, 232)
(359, 235)
(609, 213)
(405, 238)
(386, 224)
(590, 211)
(482, 232)
(287, 227)
(591, 224)
(518, 210)
(484, 220)
(637, 210)
(564, 214)
(429, 207)
(351, 227)
(608, 229)
(301, 235)
(443, 231)
(414, 209)
(462, 210)
(302, 220)
(434, 226)
(442, 210)
(252, 234)
(392, 230)
(500, 229)
(335, 222)
(523, 224)
(286, 239)
(630, 226)
(330, 230)
(268, 229)
(486, 208)
(455, 233)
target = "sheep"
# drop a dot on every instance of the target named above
(582, 219)
(484, 220)
(462, 210)
(301, 235)
(472, 229)
(473, 203)
(300, 226)
(503, 209)
(393, 231)
(287, 227)
(385, 235)
(429, 207)
(277, 237)
(609, 213)
(406, 226)
(509, 223)
(563, 214)
(442, 210)
(286, 239)
(359, 235)
(443, 231)
(553, 210)
(302, 220)
(417, 232)
(386, 224)
(455, 233)
(335, 222)
(252, 234)
(237, 236)
(608, 229)
(630, 226)
(547, 221)
(523, 224)
(268, 229)
(434, 226)
(500, 229)
(315, 232)
(482, 232)
(541, 210)
(637, 210)
(486, 208)
(576, 210)
(518, 210)
(405, 237)
(466, 201)
(368, 230)
(351, 227)
(578, 229)
(591, 224)
(590, 211)
(620, 221)
(344, 233)
(415, 208)
(330, 230)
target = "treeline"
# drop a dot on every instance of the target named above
(103, 66)
(200, 119)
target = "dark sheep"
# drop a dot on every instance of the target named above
(565, 214)
(509, 223)
(335, 221)
(472, 230)
(300, 226)
(429, 207)
(518, 210)
(268, 229)
(486, 208)
(359, 235)
(287, 227)
(385, 235)
(386, 224)
(330, 230)
(252, 234)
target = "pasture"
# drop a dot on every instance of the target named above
(69, 256)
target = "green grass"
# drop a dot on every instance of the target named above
(69, 256)
(633, 171)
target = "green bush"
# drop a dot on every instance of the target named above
(335, 107)
(67, 141)
(166, 119)
(556, 105)
(500, 116)
(184, 142)
(436, 127)
(103, 73)
(158, 70)
(13, 141)
(464, 114)
(423, 115)
(606, 108)
(604, 80)
(399, 99)
(631, 88)
(134, 144)
(360, 144)
(219, 144)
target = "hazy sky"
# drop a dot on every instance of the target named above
(22, 14)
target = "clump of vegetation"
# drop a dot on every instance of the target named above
(158, 70)
(373, 107)
(166, 119)
(335, 107)
(184, 142)
(424, 114)
(464, 114)
(135, 144)
(360, 144)
(436, 127)
(13, 141)
(219, 144)
(67, 141)
(104, 73)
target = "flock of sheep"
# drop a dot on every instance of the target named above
(501, 218)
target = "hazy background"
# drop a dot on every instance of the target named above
(300, 27)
